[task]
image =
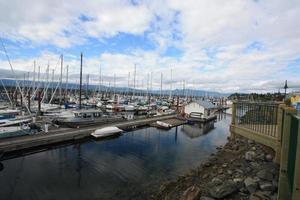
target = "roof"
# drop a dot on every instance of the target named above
(205, 104)
(87, 111)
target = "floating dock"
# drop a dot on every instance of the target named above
(69, 134)
(173, 122)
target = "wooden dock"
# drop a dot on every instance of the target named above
(69, 134)
(173, 122)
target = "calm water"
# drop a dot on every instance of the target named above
(128, 167)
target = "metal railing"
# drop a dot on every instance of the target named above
(258, 117)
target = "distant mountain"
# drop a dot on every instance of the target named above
(8, 79)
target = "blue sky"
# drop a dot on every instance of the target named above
(225, 46)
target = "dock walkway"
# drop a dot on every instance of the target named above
(67, 134)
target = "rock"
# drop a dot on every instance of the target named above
(250, 142)
(206, 198)
(260, 196)
(205, 176)
(250, 184)
(216, 181)
(220, 171)
(229, 172)
(253, 148)
(224, 165)
(239, 171)
(265, 175)
(266, 186)
(250, 155)
(207, 164)
(192, 193)
(239, 182)
(223, 190)
(269, 157)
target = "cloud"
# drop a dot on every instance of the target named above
(224, 46)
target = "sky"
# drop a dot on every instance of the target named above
(225, 46)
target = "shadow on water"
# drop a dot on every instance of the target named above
(131, 166)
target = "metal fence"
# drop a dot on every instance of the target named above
(259, 117)
(292, 150)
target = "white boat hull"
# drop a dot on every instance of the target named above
(106, 132)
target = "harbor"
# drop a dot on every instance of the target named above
(149, 100)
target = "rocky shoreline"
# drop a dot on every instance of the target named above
(242, 169)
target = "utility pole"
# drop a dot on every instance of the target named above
(285, 88)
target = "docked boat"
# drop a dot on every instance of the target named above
(14, 131)
(88, 117)
(106, 132)
(162, 125)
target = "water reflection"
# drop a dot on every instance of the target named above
(131, 166)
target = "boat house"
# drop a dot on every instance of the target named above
(201, 110)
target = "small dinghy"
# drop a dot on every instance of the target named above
(163, 125)
(106, 132)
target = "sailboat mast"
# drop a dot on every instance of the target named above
(171, 88)
(161, 80)
(67, 80)
(80, 84)
(134, 76)
(33, 86)
(61, 74)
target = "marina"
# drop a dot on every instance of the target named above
(129, 166)
(149, 100)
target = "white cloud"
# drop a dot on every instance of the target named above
(212, 35)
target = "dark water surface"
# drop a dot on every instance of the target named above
(131, 166)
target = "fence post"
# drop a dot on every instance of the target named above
(279, 131)
(233, 119)
(296, 189)
(283, 186)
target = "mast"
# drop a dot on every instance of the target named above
(52, 82)
(80, 84)
(87, 84)
(128, 87)
(61, 74)
(114, 85)
(171, 85)
(100, 79)
(161, 80)
(67, 79)
(47, 81)
(39, 76)
(134, 76)
(33, 86)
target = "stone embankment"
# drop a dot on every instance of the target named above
(242, 169)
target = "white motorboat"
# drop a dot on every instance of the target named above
(163, 125)
(106, 132)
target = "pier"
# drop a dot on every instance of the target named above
(69, 134)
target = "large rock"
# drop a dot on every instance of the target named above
(269, 157)
(192, 193)
(223, 190)
(266, 186)
(206, 198)
(265, 175)
(250, 155)
(260, 196)
(250, 184)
